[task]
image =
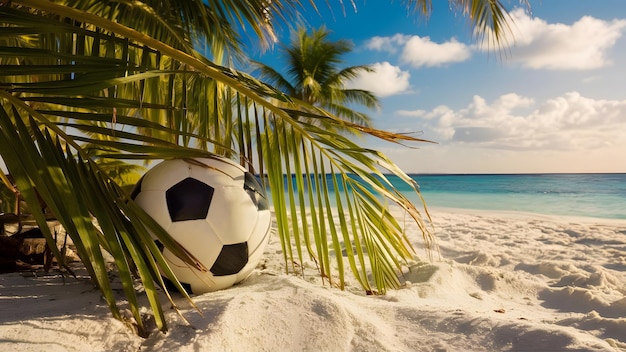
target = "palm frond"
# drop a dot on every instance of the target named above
(79, 84)
(487, 17)
(313, 76)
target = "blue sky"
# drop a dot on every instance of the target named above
(553, 101)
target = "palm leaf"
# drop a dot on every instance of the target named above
(154, 97)
(488, 17)
(281, 123)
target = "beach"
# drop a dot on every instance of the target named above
(500, 281)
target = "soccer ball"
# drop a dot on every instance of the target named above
(216, 210)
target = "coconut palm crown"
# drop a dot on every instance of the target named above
(314, 76)
(85, 84)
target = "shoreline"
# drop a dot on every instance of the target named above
(517, 214)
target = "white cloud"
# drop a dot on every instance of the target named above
(567, 122)
(533, 43)
(582, 45)
(388, 44)
(384, 81)
(421, 51)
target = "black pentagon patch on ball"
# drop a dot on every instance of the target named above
(168, 283)
(231, 260)
(137, 189)
(159, 245)
(189, 199)
(172, 287)
(256, 192)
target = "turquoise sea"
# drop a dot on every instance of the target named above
(589, 195)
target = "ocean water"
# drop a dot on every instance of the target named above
(588, 195)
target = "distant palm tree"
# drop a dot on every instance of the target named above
(88, 80)
(313, 75)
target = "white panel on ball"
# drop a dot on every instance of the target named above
(165, 174)
(232, 205)
(158, 206)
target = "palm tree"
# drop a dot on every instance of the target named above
(314, 77)
(85, 80)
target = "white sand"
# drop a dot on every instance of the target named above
(505, 282)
